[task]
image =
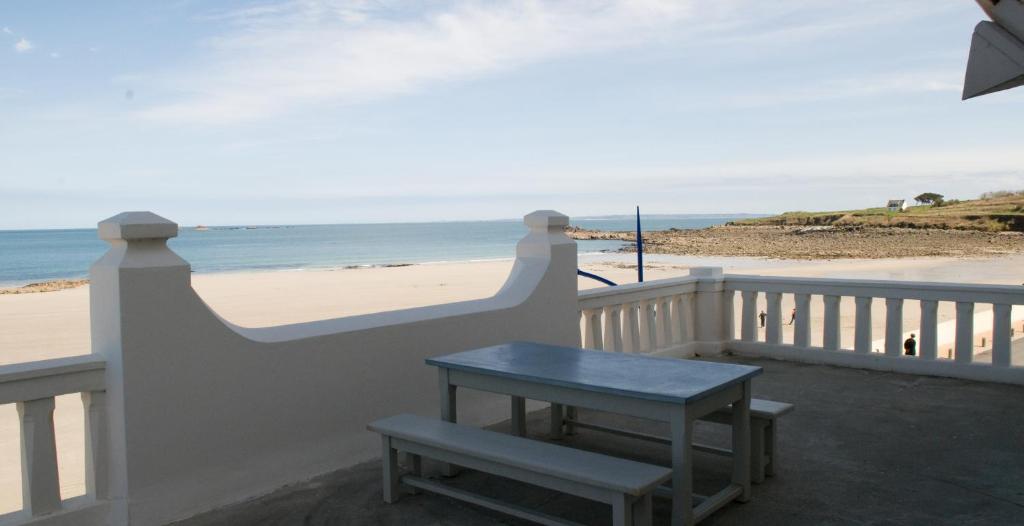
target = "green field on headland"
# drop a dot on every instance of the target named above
(992, 212)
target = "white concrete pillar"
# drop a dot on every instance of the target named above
(773, 331)
(708, 325)
(40, 485)
(748, 319)
(928, 339)
(802, 325)
(893, 326)
(1001, 335)
(964, 332)
(862, 334)
(830, 336)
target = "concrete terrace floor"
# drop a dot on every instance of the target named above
(862, 447)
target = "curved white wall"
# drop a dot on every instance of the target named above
(204, 413)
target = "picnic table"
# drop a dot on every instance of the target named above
(671, 390)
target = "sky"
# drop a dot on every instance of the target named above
(328, 111)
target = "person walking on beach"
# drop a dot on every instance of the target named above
(762, 317)
(910, 346)
(792, 316)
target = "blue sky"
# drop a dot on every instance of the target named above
(364, 111)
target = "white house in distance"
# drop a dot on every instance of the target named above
(896, 205)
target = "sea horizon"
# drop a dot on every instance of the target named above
(40, 255)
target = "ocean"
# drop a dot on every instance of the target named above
(29, 256)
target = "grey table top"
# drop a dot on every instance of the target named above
(653, 378)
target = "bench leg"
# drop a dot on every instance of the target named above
(572, 414)
(643, 510)
(556, 421)
(758, 429)
(416, 468)
(622, 510)
(389, 460)
(769, 446)
(518, 416)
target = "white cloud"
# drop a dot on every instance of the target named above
(23, 46)
(54, 54)
(8, 30)
(282, 55)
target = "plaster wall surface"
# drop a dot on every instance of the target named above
(204, 413)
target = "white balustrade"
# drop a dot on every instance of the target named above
(651, 317)
(32, 386)
(650, 300)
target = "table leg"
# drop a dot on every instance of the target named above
(518, 416)
(448, 412)
(741, 442)
(556, 420)
(682, 467)
(572, 414)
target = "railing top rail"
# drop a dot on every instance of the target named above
(919, 290)
(45, 378)
(594, 298)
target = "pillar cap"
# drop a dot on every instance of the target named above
(130, 226)
(546, 219)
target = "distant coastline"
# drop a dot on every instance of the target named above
(55, 259)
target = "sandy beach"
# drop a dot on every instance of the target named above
(55, 324)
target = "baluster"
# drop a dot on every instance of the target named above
(964, 332)
(612, 328)
(592, 329)
(929, 329)
(773, 332)
(1001, 335)
(728, 315)
(95, 406)
(862, 327)
(631, 328)
(40, 486)
(648, 338)
(664, 322)
(893, 326)
(682, 309)
(802, 325)
(830, 337)
(748, 320)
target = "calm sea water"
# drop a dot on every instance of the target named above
(36, 255)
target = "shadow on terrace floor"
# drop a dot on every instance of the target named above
(861, 448)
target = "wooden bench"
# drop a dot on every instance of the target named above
(625, 484)
(763, 414)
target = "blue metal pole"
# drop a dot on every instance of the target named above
(639, 249)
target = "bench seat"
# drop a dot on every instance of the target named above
(763, 454)
(763, 414)
(625, 484)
